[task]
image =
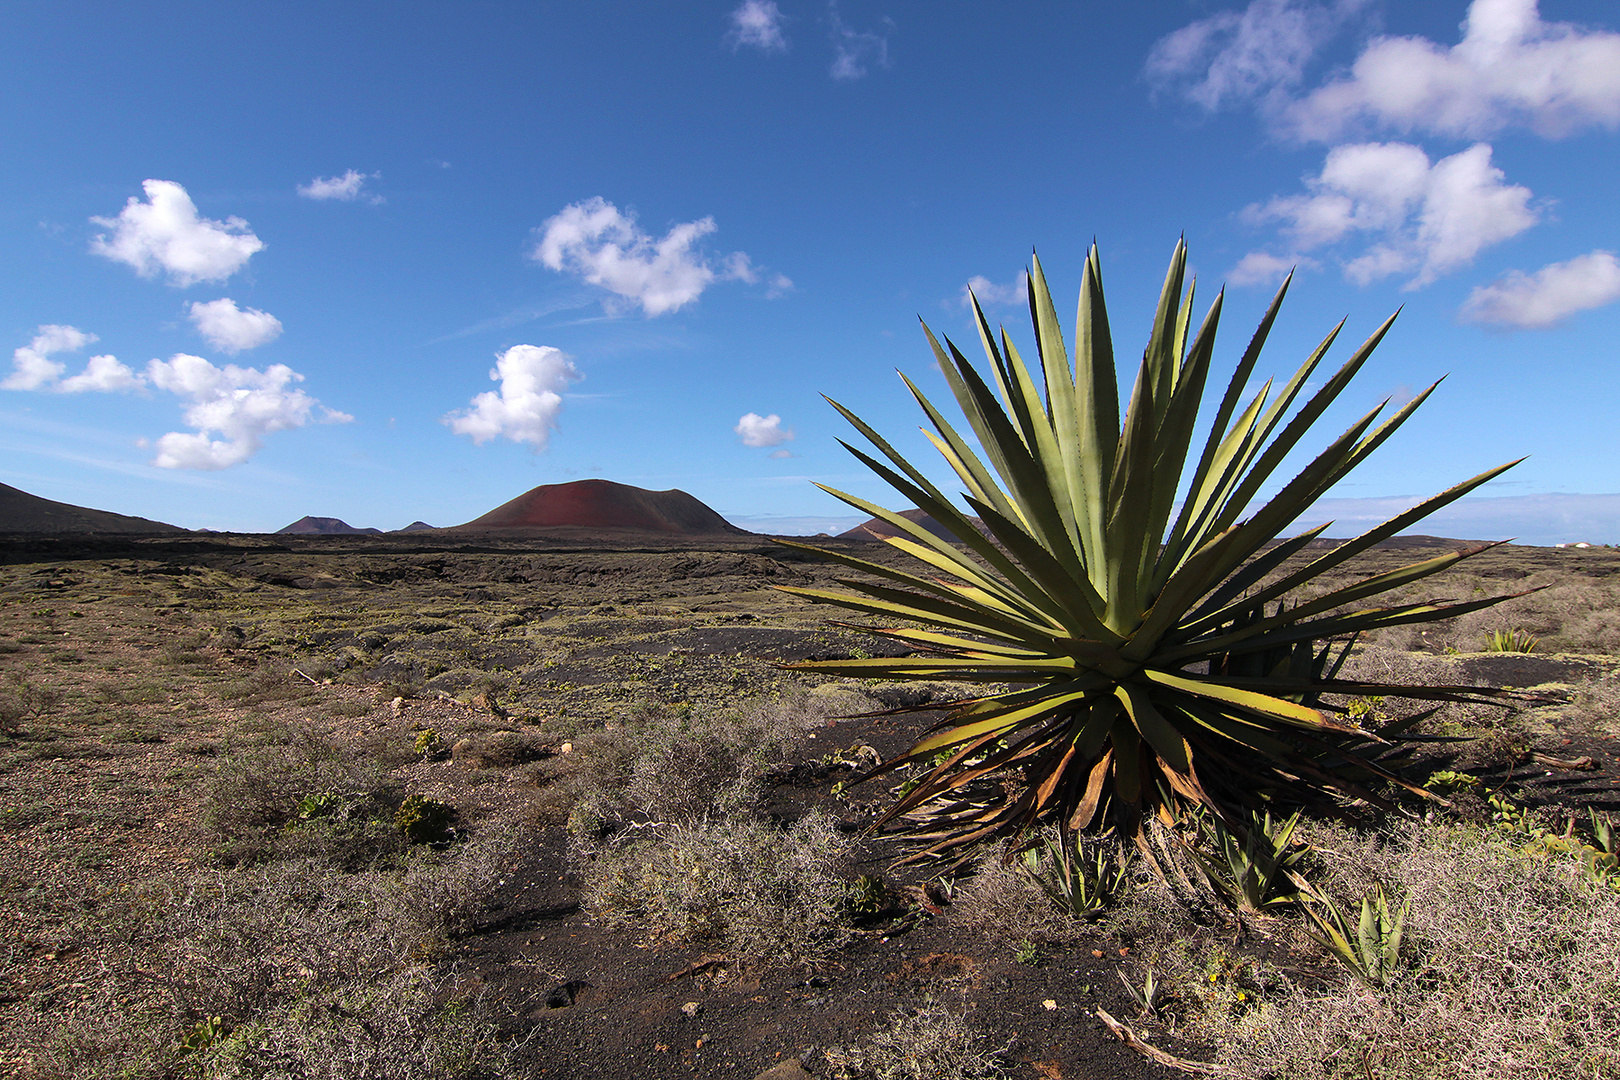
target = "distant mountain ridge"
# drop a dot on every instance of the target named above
(21, 512)
(603, 504)
(323, 526)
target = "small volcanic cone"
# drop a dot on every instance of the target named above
(323, 526)
(877, 528)
(602, 504)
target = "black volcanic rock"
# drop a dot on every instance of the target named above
(603, 504)
(21, 512)
(324, 526)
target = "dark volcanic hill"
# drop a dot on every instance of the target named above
(416, 526)
(877, 528)
(323, 526)
(602, 504)
(25, 513)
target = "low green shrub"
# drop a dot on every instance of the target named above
(422, 820)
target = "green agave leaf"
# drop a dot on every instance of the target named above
(1152, 668)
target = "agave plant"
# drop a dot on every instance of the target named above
(1136, 653)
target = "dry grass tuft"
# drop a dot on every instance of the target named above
(930, 1043)
(1512, 974)
(748, 888)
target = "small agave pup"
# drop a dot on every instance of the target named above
(1154, 664)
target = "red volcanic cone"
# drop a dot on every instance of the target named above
(602, 504)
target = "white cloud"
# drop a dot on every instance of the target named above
(1233, 57)
(1549, 296)
(989, 292)
(231, 329)
(346, 188)
(103, 375)
(757, 23)
(757, 430)
(1261, 267)
(1509, 69)
(532, 379)
(32, 366)
(855, 52)
(241, 405)
(607, 248)
(164, 234)
(1420, 218)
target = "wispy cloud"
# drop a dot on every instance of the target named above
(525, 408)
(605, 247)
(165, 234)
(757, 24)
(1510, 69)
(520, 316)
(1262, 267)
(231, 329)
(1236, 58)
(1547, 297)
(989, 292)
(856, 52)
(346, 188)
(1415, 217)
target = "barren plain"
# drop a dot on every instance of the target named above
(462, 806)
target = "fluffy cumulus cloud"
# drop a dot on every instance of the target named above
(1414, 216)
(231, 329)
(1235, 57)
(1510, 68)
(756, 430)
(757, 24)
(165, 235)
(606, 247)
(525, 408)
(231, 408)
(102, 375)
(989, 292)
(1548, 296)
(31, 365)
(346, 188)
(855, 52)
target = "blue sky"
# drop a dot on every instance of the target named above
(390, 262)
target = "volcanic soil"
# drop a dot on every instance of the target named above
(142, 666)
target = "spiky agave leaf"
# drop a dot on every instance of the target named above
(1153, 664)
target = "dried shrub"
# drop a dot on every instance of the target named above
(1594, 708)
(311, 974)
(929, 1043)
(298, 793)
(680, 763)
(1513, 974)
(748, 888)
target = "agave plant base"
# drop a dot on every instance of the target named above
(1136, 653)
